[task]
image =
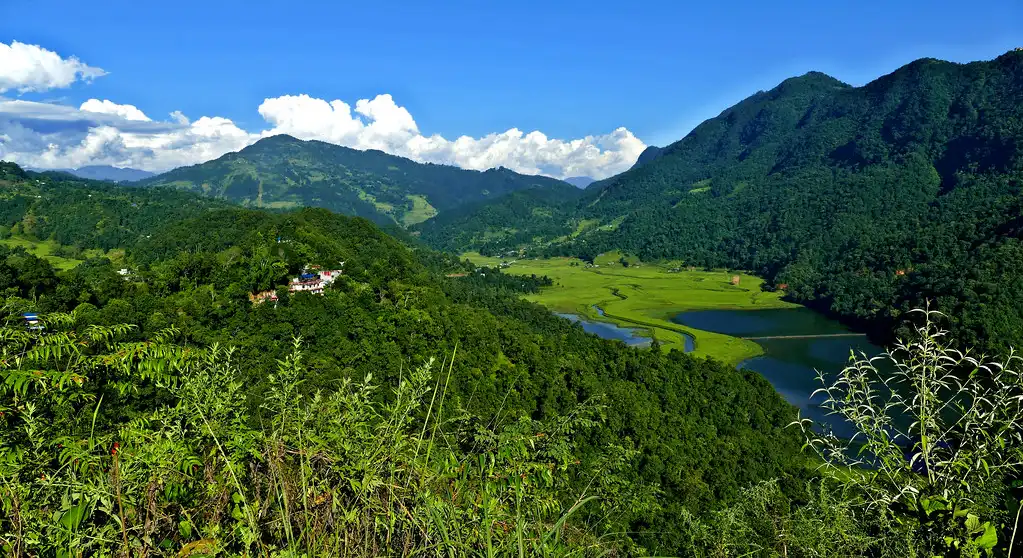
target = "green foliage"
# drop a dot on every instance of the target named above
(936, 433)
(694, 432)
(320, 473)
(284, 172)
(866, 201)
(827, 521)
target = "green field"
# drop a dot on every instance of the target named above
(648, 295)
(421, 210)
(46, 249)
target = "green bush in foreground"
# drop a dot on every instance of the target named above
(112, 448)
(193, 471)
(938, 434)
(937, 443)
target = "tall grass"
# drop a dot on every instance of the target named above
(308, 473)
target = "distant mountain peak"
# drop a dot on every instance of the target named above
(279, 138)
(580, 181)
(811, 80)
(104, 172)
(649, 154)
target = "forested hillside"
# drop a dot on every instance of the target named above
(284, 172)
(88, 214)
(541, 212)
(861, 201)
(694, 433)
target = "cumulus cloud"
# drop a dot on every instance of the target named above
(128, 112)
(44, 135)
(382, 124)
(25, 68)
(104, 132)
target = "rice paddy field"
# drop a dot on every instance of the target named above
(647, 296)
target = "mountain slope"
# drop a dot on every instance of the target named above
(283, 172)
(542, 209)
(864, 201)
(85, 213)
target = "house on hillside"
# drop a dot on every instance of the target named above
(32, 322)
(313, 280)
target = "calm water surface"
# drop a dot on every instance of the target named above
(789, 364)
(605, 330)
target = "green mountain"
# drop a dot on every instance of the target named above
(677, 435)
(283, 172)
(863, 201)
(543, 212)
(86, 213)
(649, 154)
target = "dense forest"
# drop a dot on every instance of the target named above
(543, 211)
(284, 172)
(694, 432)
(863, 202)
(418, 406)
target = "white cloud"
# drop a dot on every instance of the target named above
(25, 68)
(104, 132)
(381, 124)
(43, 135)
(128, 112)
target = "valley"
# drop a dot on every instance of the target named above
(698, 312)
(647, 296)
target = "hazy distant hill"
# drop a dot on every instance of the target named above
(282, 172)
(580, 181)
(105, 172)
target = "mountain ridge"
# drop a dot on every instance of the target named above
(104, 172)
(863, 201)
(280, 172)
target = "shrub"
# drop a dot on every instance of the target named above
(184, 466)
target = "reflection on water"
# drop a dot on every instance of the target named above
(789, 364)
(606, 330)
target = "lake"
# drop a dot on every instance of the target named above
(789, 364)
(632, 337)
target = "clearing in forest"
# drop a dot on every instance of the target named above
(649, 296)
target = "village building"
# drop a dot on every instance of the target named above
(313, 280)
(32, 321)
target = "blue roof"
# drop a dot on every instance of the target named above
(307, 276)
(29, 316)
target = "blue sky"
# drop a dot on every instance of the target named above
(566, 69)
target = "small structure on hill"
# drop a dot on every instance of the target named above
(32, 322)
(736, 279)
(313, 280)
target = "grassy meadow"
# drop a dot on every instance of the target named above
(47, 250)
(648, 296)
